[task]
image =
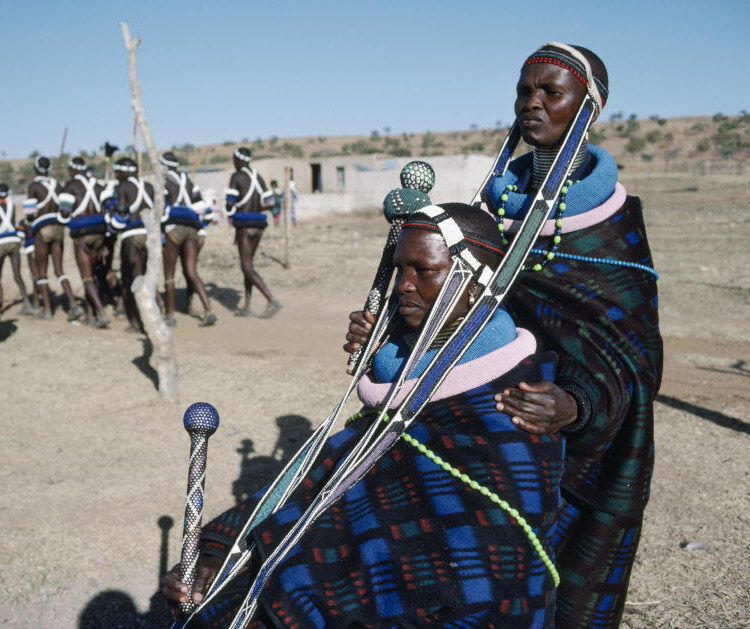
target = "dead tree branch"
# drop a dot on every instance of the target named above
(145, 286)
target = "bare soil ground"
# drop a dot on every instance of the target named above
(94, 464)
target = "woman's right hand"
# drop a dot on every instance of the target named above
(360, 328)
(175, 591)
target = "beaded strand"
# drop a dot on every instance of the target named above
(556, 237)
(485, 491)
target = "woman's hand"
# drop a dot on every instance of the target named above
(360, 328)
(541, 408)
(175, 591)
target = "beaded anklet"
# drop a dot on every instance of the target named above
(485, 491)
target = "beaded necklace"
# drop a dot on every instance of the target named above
(556, 237)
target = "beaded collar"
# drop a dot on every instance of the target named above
(590, 192)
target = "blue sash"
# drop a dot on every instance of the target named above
(249, 219)
(85, 225)
(44, 219)
(182, 215)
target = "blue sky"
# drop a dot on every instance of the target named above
(215, 71)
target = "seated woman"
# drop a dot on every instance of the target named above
(452, 525)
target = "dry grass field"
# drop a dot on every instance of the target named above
(94, 464)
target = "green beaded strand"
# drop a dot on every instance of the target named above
(485, 491)
(514, 513)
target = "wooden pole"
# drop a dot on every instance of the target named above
(59, 167)
(287, 212)
(144, 286)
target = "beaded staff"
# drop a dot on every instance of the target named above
(201, 421)
(358, 462)
(417, 178)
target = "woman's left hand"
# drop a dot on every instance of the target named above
(541, 408)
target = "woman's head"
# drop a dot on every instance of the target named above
(552, 85)
(423, 260)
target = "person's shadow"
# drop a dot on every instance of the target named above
(257, 470)
(226, 296)
(114, 609)
(7, 329)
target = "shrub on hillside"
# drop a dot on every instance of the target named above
(597, 136)
(474, 147)
(635, 144)
(399, 151)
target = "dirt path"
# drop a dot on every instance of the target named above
(92, 460)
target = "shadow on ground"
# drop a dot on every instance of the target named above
(7, 329)
(114, 609)
(227, 297)
(257, 470)
(725, 421)
(143, 364)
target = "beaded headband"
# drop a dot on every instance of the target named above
(575, 62)
(469, 237)
(124, 168)
(245, 157)
(38, 165)
(168, 162)
(76, 166)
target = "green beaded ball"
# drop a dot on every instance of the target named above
(418, 175)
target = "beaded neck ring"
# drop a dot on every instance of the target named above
(556, 237)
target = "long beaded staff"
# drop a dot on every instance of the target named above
(417, 179)
(357, 463)
(201, 421)
(414, 176)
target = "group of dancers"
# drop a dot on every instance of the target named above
(98, 214)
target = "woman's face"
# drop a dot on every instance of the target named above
(422, 263)
(547, 98)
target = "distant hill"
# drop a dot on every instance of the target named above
(694, 144)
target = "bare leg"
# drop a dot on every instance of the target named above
(41, 251)
(171, 253)
(85, 259)
(74, 311)
(189, 257)
(2, 263)
(36, 294)
(132, 264)
(15, 262)
(247, 244)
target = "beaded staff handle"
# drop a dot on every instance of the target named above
(201, 421)
(416, 177)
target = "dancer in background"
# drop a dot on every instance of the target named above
(181, 226)
(246, 201)
(131, 196)
(48, 234)
(10, 247)
(80, 207)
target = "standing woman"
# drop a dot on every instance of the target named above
(589, 294)
(181, 226)
(81, 209)
(246, 200)
(131, 196)
(10, 246)
(48, 234)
